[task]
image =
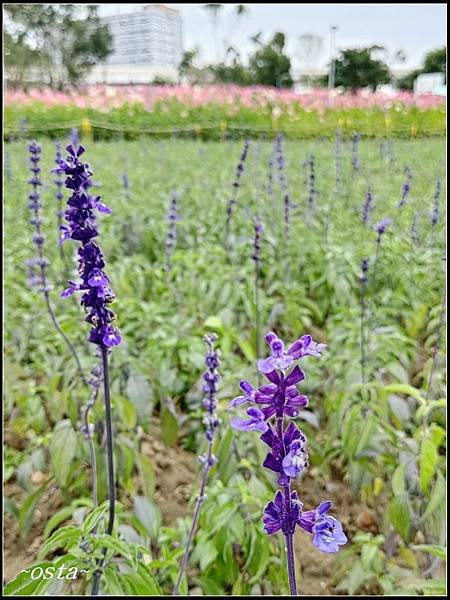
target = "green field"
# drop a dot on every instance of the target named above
(377, 449)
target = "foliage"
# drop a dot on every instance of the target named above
(385, 438)
(55, 44)
(357, 68)
(435, 61)
(270, 65)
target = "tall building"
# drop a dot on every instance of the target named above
(146, 43)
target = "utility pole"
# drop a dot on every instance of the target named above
(332, 73)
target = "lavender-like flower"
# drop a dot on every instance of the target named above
(37, 266)
(406, 187)
(171, 238)
(356, 137)
(256, 257)
(82, 227)
(312, 183)
(97, 295)
(281, 164)
(126, 186)
(236, 184)
(382, 226)
(435, 213)
(211, 378)
(368, 206)
(363, 280)
(288, 456)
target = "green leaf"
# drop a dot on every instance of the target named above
(148, 514)
(427, 463)
(10, 506)
(92, 520)
(399, 514)
(147, 474)
(24, 585)
(398, 480)
(62, 450)
(27, 510)
(437, 497)
(433, 549)
(169, 426)
(214, 323)
(140, 393)
(368, 553)
(404, 388)
(62, 538)
(58, 518)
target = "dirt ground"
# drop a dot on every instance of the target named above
(175, 473)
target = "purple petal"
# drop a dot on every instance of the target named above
(266, 365)
(295, 376)
(296, 349)
(237, 401)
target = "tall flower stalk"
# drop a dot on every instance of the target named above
(437, 196)
(37, 266)
(256, 257)
(437, 344)
(96, 294)
(356, 164)
(274, 405)
(281, 164)
(406, 188)
(363, 286)
(311, 183)
(233, 199)
(171, 238)
(368, 206)
(211, 378)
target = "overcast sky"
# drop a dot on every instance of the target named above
(413, 28)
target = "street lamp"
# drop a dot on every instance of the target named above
(331, 76)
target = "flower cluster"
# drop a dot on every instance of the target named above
(38, 264)
(437, 195)
(236, 184)
(312, 182)
(382, 225)
(406, 187)
(283, 183)
(211, 378)
(287, 455)
(368, 206)
(256, 256)
(364, 270)
(171, 238)
(82, 227)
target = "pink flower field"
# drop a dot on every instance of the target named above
(104, 98)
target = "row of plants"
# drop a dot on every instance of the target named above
(216, 121)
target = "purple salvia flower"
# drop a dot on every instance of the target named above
(270, 176)
(236, 184)
(312, 183)
(356, 137)
(82, 227)
(368, 206)
(363, 280)
(382, 225)
(281, 164)
(171, 238)
(437, 195)
(287, 456)
(210, 378)
(406, 187)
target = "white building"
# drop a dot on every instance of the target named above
(146, 44)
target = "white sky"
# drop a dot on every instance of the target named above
(413, 28)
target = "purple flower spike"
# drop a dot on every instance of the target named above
(82, 227)
(287, 456)
(255, 423)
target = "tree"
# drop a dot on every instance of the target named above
(234, 72)
(357, 68)
(435, 61)
(269, 65)
(64, 41)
